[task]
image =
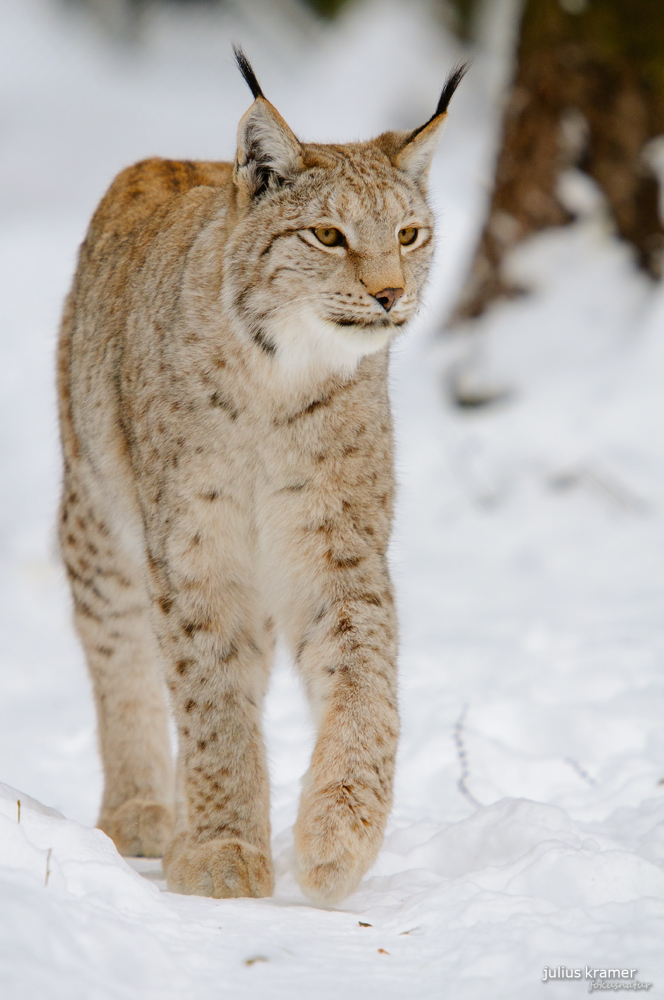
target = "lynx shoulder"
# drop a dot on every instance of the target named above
(228, 476)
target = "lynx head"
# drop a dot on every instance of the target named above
(330, 245)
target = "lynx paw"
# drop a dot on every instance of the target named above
(219, 868)
(139, 828)
(337, 838)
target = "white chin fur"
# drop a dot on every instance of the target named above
(309, 346)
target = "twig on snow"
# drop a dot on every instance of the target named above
(582, 773)
(462, 783)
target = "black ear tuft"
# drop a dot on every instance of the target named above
(451, 84)
(245, 68)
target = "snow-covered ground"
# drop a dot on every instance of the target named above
(528, 827)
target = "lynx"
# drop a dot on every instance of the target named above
(228, 478)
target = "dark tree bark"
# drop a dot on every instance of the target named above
(122, 17)
(462, 16)
(602, 67)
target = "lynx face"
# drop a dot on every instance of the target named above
(334, 262)
(331, 245)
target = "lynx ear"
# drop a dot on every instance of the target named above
(415, 155)
(267, 151)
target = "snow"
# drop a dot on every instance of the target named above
(528, 826)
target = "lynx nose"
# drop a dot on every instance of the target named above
(388, 297)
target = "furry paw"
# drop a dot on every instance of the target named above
(139, 828)
(337, 838)
(222, 868)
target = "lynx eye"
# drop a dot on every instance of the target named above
(407, 236)
(329, 236)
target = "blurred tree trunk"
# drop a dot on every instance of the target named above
(122, 17)
(462, 16)
(588, 91)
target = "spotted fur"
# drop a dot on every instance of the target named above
(228, 475)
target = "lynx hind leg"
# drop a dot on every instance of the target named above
(112, 617)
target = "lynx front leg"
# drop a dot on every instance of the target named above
(347, 658)
(218, 655)
(222, 848)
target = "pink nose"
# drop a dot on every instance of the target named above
(388, 297)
